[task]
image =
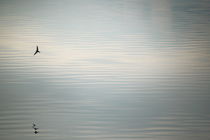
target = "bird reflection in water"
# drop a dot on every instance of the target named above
(35, 128)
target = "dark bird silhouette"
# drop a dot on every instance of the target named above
(37, 50)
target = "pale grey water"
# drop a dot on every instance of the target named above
(108, 69)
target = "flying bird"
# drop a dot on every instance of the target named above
(37, 50)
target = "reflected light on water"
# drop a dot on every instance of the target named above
(107, 69)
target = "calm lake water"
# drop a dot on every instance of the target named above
(108, 69)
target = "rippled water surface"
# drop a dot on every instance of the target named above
(108, 69)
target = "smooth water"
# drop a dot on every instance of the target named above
(108, 69)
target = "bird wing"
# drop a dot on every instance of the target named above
(35, 53)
